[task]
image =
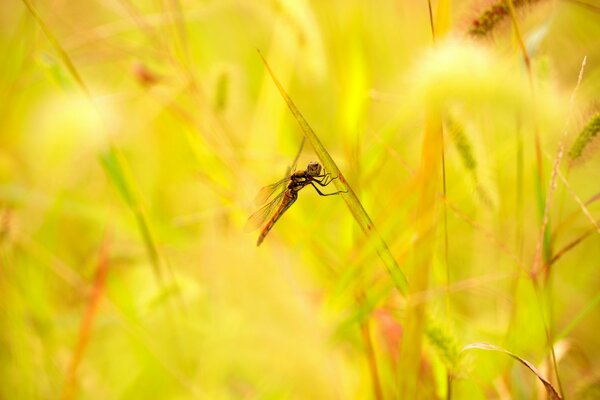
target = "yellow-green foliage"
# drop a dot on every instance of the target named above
(136, 134)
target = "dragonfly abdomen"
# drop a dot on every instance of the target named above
(288, 199)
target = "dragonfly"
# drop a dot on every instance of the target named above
(279, 196)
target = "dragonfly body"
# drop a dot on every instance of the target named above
(289, 198)
(292, 184)
(298, 180)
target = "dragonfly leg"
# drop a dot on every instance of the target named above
(327, 194)
(325, 180)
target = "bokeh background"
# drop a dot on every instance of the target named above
(134, 137)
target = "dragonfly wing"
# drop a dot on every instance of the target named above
(258, 219)
(267, 192)
(292, 167)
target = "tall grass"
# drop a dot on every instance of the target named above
(135, 136)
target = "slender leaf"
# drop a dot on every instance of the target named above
(552, 393)
(59, 49)
(115, 169)
(578, 318)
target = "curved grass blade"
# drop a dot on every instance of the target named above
(551, 392)
(354, 205)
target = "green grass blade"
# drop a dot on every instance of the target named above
(578, 318)
(56, 44)
(115, 169)
(354, 205)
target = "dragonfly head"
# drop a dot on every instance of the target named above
(313, 168)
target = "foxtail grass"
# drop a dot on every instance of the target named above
(493, 14)
(585, 138)
(466, 152)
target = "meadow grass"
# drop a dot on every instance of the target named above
(135, 136)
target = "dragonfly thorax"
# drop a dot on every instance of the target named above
(313, 168)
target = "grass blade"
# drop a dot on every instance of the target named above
(550, 391)
(87, 322)
(587, 310)
(56, 44)
(115, 169)
(354, 205)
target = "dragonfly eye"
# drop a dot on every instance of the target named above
(313, 168)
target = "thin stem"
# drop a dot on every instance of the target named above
(372, 360)
(445, 206)
(431, 19)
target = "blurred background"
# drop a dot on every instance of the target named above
(136, 134)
